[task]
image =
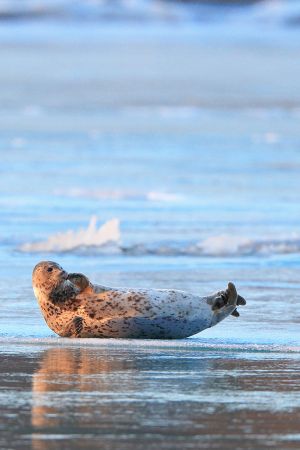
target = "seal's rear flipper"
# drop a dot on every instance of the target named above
(225, 303)
(231, 294)
(241, 300)
(235, 299)
(225, 298)
(235, 313)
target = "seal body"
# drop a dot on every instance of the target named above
(74, 307)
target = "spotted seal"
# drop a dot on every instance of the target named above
(74, 307)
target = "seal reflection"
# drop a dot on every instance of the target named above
(111, 394)
(143, 396)
(65, 372)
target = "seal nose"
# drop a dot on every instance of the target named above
(64, 275)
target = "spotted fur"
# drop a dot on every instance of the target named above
(73, 307)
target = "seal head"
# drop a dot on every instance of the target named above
(50, 281)
(46, 276)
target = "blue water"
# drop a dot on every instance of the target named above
(198, 205)
(182, 124)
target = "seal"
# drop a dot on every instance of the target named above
(74, 307)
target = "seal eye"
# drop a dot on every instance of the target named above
(49, 269)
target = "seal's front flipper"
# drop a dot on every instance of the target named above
(77, 325)
(63, 293)
(80, 280)
(73, 328)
